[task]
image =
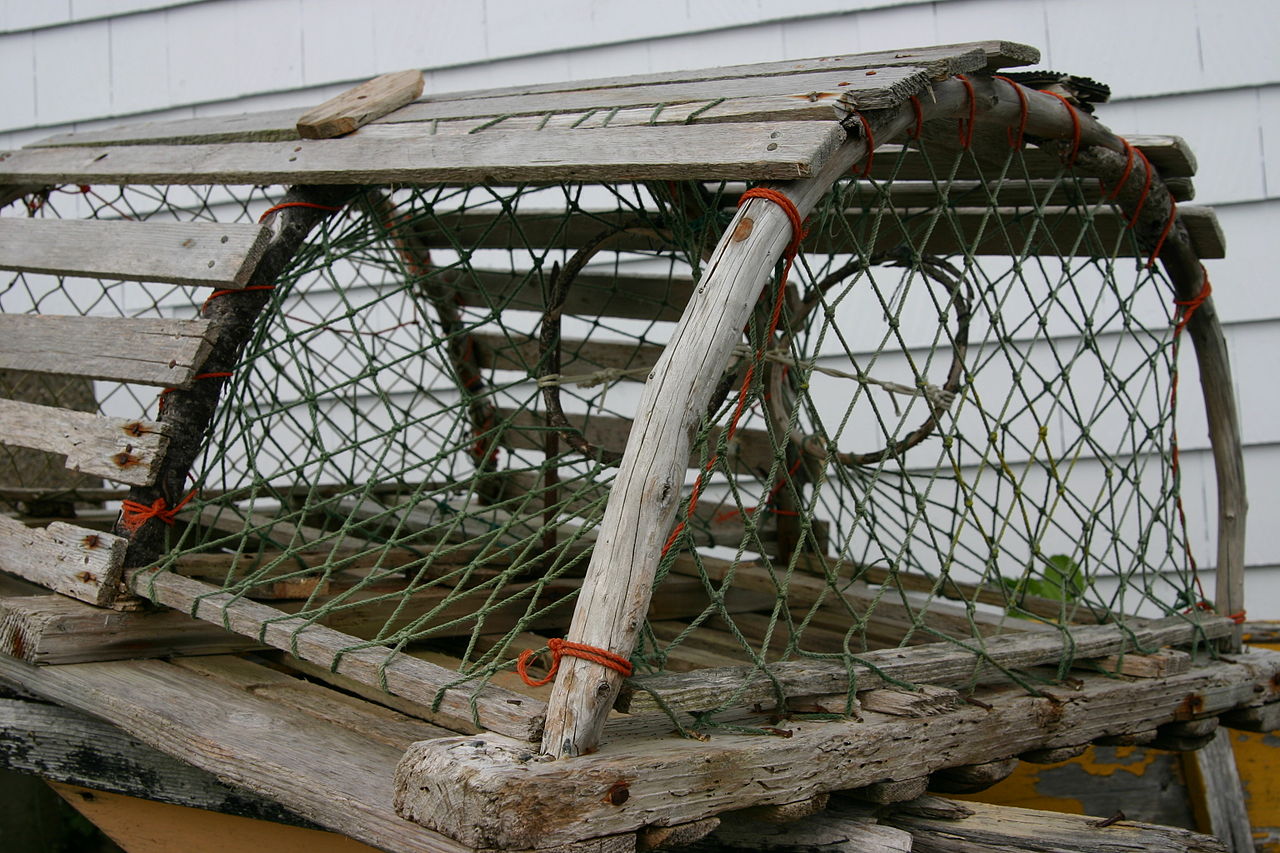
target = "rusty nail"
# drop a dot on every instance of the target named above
(619, 793)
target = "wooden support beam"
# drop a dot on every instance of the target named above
(754, 151)
(934, 663)
(84, 564)
(972, 778)
(145, 350)
(1217, 793)
(53, 629)
(120, 449)
(196, 253)
(480, 787)
(360, 105)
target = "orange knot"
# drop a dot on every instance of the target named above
(560, 648)
(84, 188)
(1187, 307)
(919, 111)
(871, 145)
(1237, 618)
(282, 205)
(788, 207)
(133, 514)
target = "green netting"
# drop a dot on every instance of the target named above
(960, 428)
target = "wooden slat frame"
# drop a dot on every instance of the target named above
(749, 151)
(120, 449)
(84, 564)
(145, 350)
(195, 253)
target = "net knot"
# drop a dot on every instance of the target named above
(560, 648)
(134, 514)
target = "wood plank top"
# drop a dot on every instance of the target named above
(197, 253)
(753, 151)
(146, 350)
(121, 449)
(280, 125)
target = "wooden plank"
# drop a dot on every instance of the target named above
(197, 253)
(458, 707)
(74, 561)
(119, 449)
(517, 352)
(279, 125)
(65, 745)
(145, 350)
(998, 829)
(888, 87)
(933, 663)
(1217, 794)
(360, 105)
(755, 151)
(479, 787)
(752, 448)
(641, 297)
(54, 629)
(246, 741)
(824, 832)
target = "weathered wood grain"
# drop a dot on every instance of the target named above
(145, 350)
(755, 151)
(997, 829)
(119, 449)
(325, 773)
(69, 746)
(482, 789)
(360, 105)
(972, 778)
(458, 707)
(196, 253)
(74, 561)
(53, 629)
(822, 833)
(934, 663)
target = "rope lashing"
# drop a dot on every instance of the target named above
(134, 514)
(871, 145)
(1128, 170)
(561, 648)
(1075, 127)
(282, 205)
(789, 254)
(919, 111)
(1016, 141)
(965, 125)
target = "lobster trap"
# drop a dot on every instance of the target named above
(727, 436)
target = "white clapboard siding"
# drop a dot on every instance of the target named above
(84, 564)
(768, 150)
(148, 351)
(199, 253)
(127, 451)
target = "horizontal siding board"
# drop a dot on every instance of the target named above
(748, 151)
(148, 351)
(197, 253)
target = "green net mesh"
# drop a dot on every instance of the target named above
(960, 427)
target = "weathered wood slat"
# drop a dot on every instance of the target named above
(494, 709)
(751, 449)
(196, 253)
(520, 353)
(997, 829)
(145, 350)
(119, 449)
(54, 629)
(1005, 231)
(641, 297)
(756, 151)
(481, 789)
(74, 561)
(323, 772)
(360, 105)
(934, 663)
(280, 125)
(54, 742)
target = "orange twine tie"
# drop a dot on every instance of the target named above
(133, 514)
(560, 648)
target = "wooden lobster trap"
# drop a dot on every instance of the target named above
(657, 448)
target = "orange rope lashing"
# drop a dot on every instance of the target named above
(871, 145)
(1016, 141)
(965, 125)
(561, 648)
(282, 205)
(133, 514)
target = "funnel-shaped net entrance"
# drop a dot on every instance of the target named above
(958, 424)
